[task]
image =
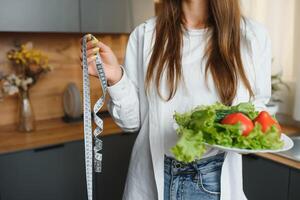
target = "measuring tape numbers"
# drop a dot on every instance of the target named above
(92, 142)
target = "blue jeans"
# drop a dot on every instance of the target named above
(193, 181)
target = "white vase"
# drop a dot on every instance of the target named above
(26, 115)
(273, 108)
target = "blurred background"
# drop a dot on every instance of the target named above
(283, 23)
(41, 134)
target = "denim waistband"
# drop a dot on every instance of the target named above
(201, 164)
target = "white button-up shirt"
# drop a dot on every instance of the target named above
(133, 110)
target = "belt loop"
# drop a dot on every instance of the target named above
(197, 174)
(172, 178)
(194, 164)
(172, 167)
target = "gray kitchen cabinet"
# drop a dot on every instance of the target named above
(49, 173)
(265, 179)
(106, 16)
(39, 15)
(95, 16)
(294, 191)
(116, 156)
(114, 16)
(58, 173)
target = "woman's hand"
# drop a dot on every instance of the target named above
(111, 66)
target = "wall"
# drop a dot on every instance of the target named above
(288, 106)
(281, 19)
(297, 62)
(63, 51)
(278, 18)
(141, 11)
(297, 39)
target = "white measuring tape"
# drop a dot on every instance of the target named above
(93, 157)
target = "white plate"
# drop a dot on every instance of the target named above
(288, 144)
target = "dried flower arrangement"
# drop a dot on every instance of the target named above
(28, 64)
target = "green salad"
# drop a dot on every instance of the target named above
(239, 126)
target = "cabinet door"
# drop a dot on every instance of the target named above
(264, 179)
(39, 15)
(105, 16)
(116, 155)
(51, 173)
(294, 190)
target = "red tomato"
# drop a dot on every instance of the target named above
(234, 118)
(266, 121)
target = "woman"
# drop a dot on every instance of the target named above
(195, 52)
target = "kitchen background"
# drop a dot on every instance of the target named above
(48, 162)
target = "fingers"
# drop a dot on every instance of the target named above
(88, 36)
(91, 59)
(91, 52)
(92, 44)
(103, 48)
(91, 41)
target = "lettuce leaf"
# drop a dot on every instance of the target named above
(190, 145)
(202, 124)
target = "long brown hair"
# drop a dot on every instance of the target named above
(223, 53)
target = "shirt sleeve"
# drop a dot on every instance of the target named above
(123, 104)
